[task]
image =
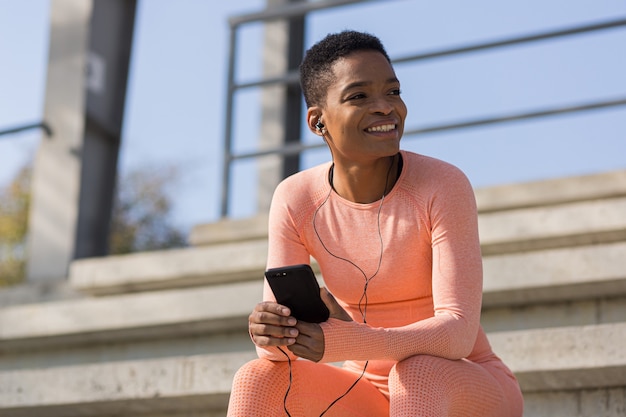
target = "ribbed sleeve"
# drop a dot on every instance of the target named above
(358, 341)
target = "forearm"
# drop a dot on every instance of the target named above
(444, 336)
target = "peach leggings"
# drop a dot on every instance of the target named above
(419, 386)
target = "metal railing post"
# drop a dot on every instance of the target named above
(228, 142)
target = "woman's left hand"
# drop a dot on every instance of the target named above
(310, 340)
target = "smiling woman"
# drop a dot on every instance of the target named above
(363, 117)
(396, 238)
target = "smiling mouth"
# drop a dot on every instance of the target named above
(381, 128)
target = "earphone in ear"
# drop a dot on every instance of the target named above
(319, 125)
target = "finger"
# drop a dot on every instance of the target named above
(263, 329)
(309, 329)
(262, 317)
(268, 330)
(267, 335)
(271, 313)
(269, 326)
(267, 341)
(272, 307)
(314, 344)
(309, 342)
(306, 348)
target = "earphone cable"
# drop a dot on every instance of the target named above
(362, 301)
(290, 381)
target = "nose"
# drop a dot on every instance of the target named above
(381, 105)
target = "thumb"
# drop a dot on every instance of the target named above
(336, 311)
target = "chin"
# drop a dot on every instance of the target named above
(394, 146)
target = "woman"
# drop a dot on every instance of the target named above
(395, 236)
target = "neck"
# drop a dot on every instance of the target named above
(365, 184)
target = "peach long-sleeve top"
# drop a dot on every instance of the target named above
(426, 297)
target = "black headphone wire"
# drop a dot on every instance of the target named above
(362, 301)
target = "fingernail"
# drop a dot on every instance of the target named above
(291, 341)
(292, 321)
(293, 332)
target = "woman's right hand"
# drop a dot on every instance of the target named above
(270, 324)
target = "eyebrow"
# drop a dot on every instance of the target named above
(357, 84)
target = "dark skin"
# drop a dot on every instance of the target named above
(364, 120)
(271, 324)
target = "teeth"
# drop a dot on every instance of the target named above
(383, 128)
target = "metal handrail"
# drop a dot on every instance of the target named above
(288, 11)
(296, 148)
(574, 30)
(292, 78)
(40, 125)
(519, 116)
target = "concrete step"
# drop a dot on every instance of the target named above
(554, 360)
(566, 358)
(139, 316)
(540, 215)
(595, 402)
(543, 193)
(555, 314)
(562, 225)
(199, 383)
(146, 271)
(229, 230)
(500, 234)
(555, 191)
(570, 273)
(544, 278)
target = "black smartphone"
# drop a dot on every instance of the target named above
(296, 287)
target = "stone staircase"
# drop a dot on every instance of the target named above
(161, 334)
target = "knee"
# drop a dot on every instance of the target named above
(418, 385)
(258, 371)
(424, 371)
(416, 363)
(258, 388)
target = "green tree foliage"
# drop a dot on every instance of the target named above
(140, 220)
(141, 213)
(14, 204)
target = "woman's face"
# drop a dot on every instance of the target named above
(364, 114)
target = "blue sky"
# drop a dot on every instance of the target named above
(176, 95)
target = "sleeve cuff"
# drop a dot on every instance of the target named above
(349, 340)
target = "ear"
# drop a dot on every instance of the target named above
(313, 115)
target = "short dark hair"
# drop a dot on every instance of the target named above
(316, 68)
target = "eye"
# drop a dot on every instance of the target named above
(356, 96)
(395, 92)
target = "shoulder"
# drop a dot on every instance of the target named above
(296, 197)
(427, 172)
(303, 187)
(439, 190)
